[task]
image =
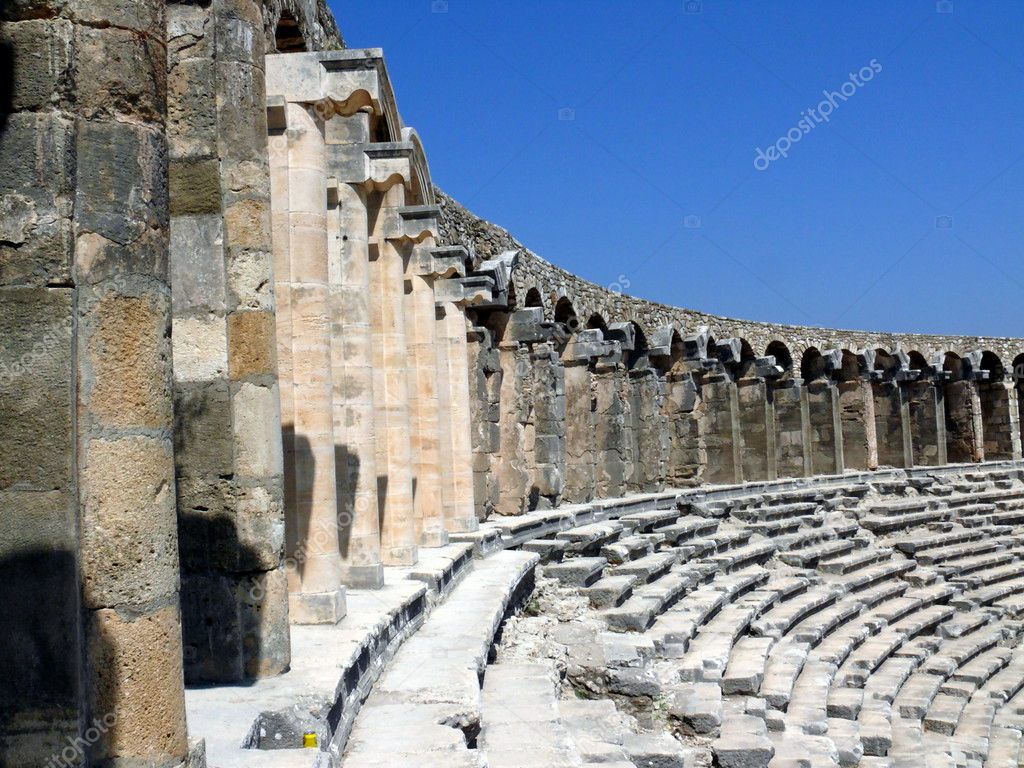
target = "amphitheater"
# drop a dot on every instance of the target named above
(303, 464)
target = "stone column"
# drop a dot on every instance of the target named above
(857, 412)
(770, 434)
(511, 470)
(752, 406)
(426, 432)
(905, 423)
(924, 411)
(352, 379)
(114, 239)
(686, 457)
(579, 423)
(720, 408)
(820, 409)
(549, 410)
(609, 426)
(316, 594)
(228, 458)
(486, 379)
(649, 460)
(391, 380)
(789, 432)
(454, 383)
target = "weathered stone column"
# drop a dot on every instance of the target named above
(316, 595)
(113, 241)
(454, 395)
(486, 379)
(820, 407)
(426, 428)
(650, 457)
(352, 379)
(548, 455)
(609, 425)
(686, 456)
(752, 400)
(857, 411)
(924, 408)
(391, 379)
(720, 405)
(580, 477)
(228, 458)
(789, 435)
(511, 470)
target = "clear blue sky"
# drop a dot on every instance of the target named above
(654, 177)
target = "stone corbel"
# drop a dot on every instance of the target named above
(587, 345)
(766, 367)
(412, 223)
(903, 370)
(376, 166)
(350, 80)
(527, 326)
(611, 359)
(624, 333)
(450, 260)
(660, 343)
(866, 363)
(498, 274)
(972, 366)
(729, 351)
(695, 347)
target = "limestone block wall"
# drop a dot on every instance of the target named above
(228, 458)
(88, 542)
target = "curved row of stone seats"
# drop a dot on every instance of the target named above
(793, 628)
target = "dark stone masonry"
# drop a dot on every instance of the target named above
(303, 464)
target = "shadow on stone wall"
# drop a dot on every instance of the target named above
(40, 657)
(6, 80)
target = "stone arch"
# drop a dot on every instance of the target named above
(918, 362)
(288, 37)
(812, 365)
(534, 298)
(565, 313)
(783, 357)
(596, 321)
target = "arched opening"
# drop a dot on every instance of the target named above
(565, 313)
(782, 355)
(812, 365)
(287, 35)
(994, 395)
(533, 298)
(597, 322)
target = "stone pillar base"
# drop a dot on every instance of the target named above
(363, 576)
(317, 607)
(434, 539)
(400, 555)
(462, 525)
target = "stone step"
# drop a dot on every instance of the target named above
(743, 743)
(435, 676)
(783, 617)
(956, 551)
(627, 548)
(577, 571)
(647, 568)
(696, 708)
(855, 561)
(588, 539)
(879, 524)
(520, 725)
(810, 557)
(611, 591)
(688, 527)
(597, 729)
